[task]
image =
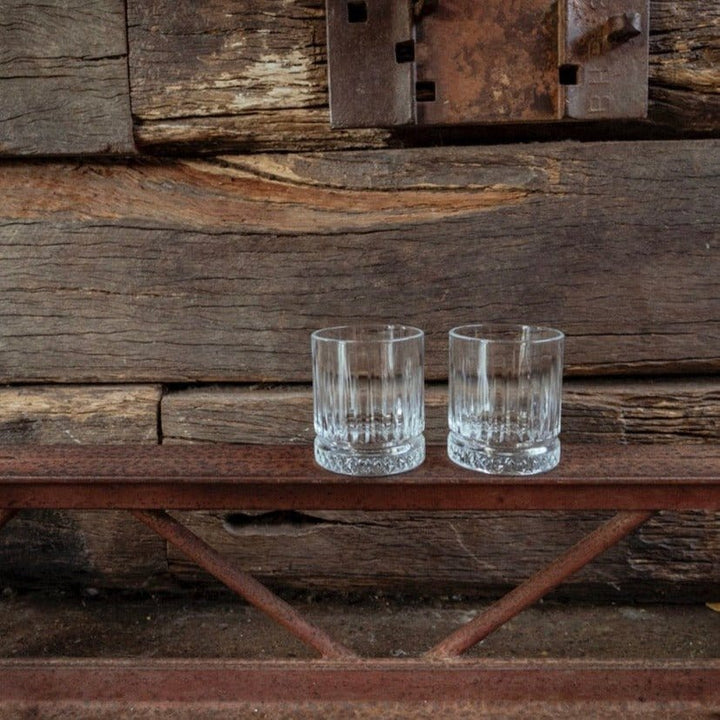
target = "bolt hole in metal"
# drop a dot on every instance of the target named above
(568, 74)
(425, 91)
(357, 11)
(405, 51)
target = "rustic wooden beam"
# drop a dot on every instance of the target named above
(673, 557)
(660, 411)
(80, 414)
(255, 78)
(252, 78)
(684, 73)
(64, 78)
(218, 270)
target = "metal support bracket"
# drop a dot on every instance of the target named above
(634, 480)
(451, 62)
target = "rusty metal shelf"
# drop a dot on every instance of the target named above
(589, 477)
(635, 481)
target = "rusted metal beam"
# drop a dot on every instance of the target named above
(242, 583)
(540, 584)
(589, 477)
(402, 681)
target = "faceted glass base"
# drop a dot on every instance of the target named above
(385, 461)
(525, 461)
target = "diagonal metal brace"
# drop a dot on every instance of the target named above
(535, 587)
(242, 583)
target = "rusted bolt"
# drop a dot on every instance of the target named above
(621, 28)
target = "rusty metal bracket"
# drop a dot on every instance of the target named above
(451, 62)
(242, 583)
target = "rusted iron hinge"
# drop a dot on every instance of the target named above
(449, 62)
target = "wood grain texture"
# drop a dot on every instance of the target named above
(593, 411)
(673, 556)
(57, 548)
(219, 270)
(250, 77)
(79, 414)
(64, 78)
(255, 76)
(684, 72)
(632, 412)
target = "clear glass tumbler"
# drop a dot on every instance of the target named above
(505, 397)
(368, 392)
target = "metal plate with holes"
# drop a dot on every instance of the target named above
(369, 85)
(449, 62)
(604, 58)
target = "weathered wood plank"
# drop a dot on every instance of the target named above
(218, 270)
(50, 548)
(79, 414)
(632, 412)
(675, 555)
(684, 72)
(593, 411)
(64, 79)
(255, 77)
(252, 78)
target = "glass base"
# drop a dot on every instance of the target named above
(527, 461)
(388, 461)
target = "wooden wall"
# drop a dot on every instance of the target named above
(177, 216)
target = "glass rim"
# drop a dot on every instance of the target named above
(522, 334)
(324, 334)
